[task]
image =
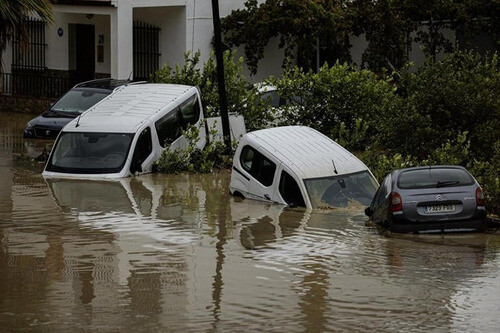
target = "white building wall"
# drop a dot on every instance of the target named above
(199, 34)
(172, 22)
(271, 64)
(122, 40)
(358, 46)
(58, 53)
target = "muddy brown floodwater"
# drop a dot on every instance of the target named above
(162, 253)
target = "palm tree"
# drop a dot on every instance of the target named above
(12, 21)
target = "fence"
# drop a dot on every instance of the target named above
(146, 50)
(35, 84)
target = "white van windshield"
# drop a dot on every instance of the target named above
(90, 153)
(351, 190)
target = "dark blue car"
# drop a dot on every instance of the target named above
(76, 101)
(430, 199)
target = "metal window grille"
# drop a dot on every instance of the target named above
(146, 50)
(31, 57)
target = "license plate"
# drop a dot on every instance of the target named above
(440, 209)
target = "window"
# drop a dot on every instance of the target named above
(146, 50)
(169, 128)
(32, 56)
(143, 149)
(77, 101)
(273, 98)
(247, 158)
(290, 190)
(190, 110)
(434, 177)
(342, 190)
(90, 152)
(257, 165)
(382, 192)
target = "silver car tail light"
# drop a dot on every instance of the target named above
(396, 202)
(480, 201)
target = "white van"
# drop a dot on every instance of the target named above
(299, 166)
(126, 132)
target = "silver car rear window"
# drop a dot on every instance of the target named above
(434, 177)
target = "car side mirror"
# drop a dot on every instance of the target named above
(368, 211)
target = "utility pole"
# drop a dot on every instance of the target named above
(220, 76)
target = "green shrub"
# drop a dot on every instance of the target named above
(342, 102)
(460, 93)
(488, 176)
(172, 161)
(212, 156)
(381, 163)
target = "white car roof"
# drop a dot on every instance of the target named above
(262, 87)
(128, 108)
(307, 152)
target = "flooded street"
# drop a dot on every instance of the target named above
(162, 253)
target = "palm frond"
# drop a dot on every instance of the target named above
(13, 14)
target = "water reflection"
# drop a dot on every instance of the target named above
(177, 253)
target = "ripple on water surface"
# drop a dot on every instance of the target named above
(176, 253)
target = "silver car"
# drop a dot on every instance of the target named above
(431, 199)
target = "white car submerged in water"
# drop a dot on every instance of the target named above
(126, 133)
(298, 166)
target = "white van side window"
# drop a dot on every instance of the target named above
(190, 110)
(247, 158)
(143, 149)
(290, 190)
(168, 128)
(257, 165)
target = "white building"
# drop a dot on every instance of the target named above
(120, 38)
(127, 39)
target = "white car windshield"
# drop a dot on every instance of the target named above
(350, 190)
(78, 100)
(90, 153)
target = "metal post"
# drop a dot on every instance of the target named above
(317, 55)
(220, 76)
